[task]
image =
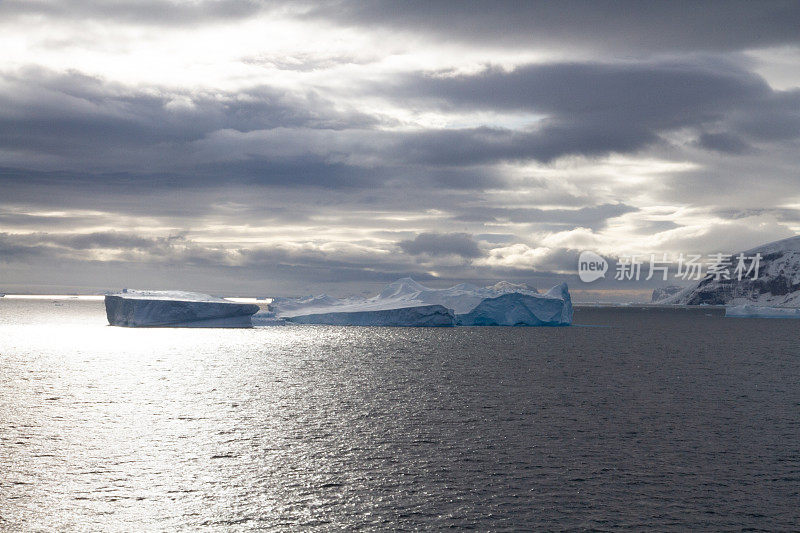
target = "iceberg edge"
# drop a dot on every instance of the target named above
(142, 309)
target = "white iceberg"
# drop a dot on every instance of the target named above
(404, 292)
(407, 303)
(176, 309)
(756, 311)
(421, 316)
(514, 309)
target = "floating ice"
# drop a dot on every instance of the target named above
(425, 315)
(514, 309)
(176, 309)
(755, 311)
(404, 292)
(407, 303)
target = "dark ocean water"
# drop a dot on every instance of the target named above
(666, 419)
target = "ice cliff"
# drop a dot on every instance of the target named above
(176, 309)
(514, 309)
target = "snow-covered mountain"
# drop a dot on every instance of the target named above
(404, 292)
(661, 293)
(777, 284)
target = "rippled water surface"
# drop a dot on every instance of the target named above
(670, 419)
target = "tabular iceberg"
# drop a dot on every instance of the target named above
(176, 309)
(551, 309)
(422, 316)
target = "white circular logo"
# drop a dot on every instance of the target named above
(591, 266)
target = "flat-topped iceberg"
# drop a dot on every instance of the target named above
(514, 309)
(422, 316)
(176, 309)
(407, 303)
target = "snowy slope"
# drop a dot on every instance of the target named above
(777, 285)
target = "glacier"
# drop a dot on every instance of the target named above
(134, 308)
(406, 302)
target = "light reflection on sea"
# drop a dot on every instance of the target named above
(668, 419)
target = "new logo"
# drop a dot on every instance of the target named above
(591, 266)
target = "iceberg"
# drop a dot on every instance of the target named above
(422, 316)
(408, 303)
(175, 309)
(756, 311)
(404, 292)
(267, 319)
(514, 309)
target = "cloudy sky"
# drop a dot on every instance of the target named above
(246, 147)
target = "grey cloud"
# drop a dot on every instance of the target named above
(301, 140)
(79, 114)
(114, 240)
(439, 244)
(629, 27)
(597, 108)
(723, 142)
(178, 251)
(780, 214)
(153, 12)
(594, 217)
(64, 243)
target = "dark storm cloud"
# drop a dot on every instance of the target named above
(439, 244)
(631, 26)
(152, 12)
